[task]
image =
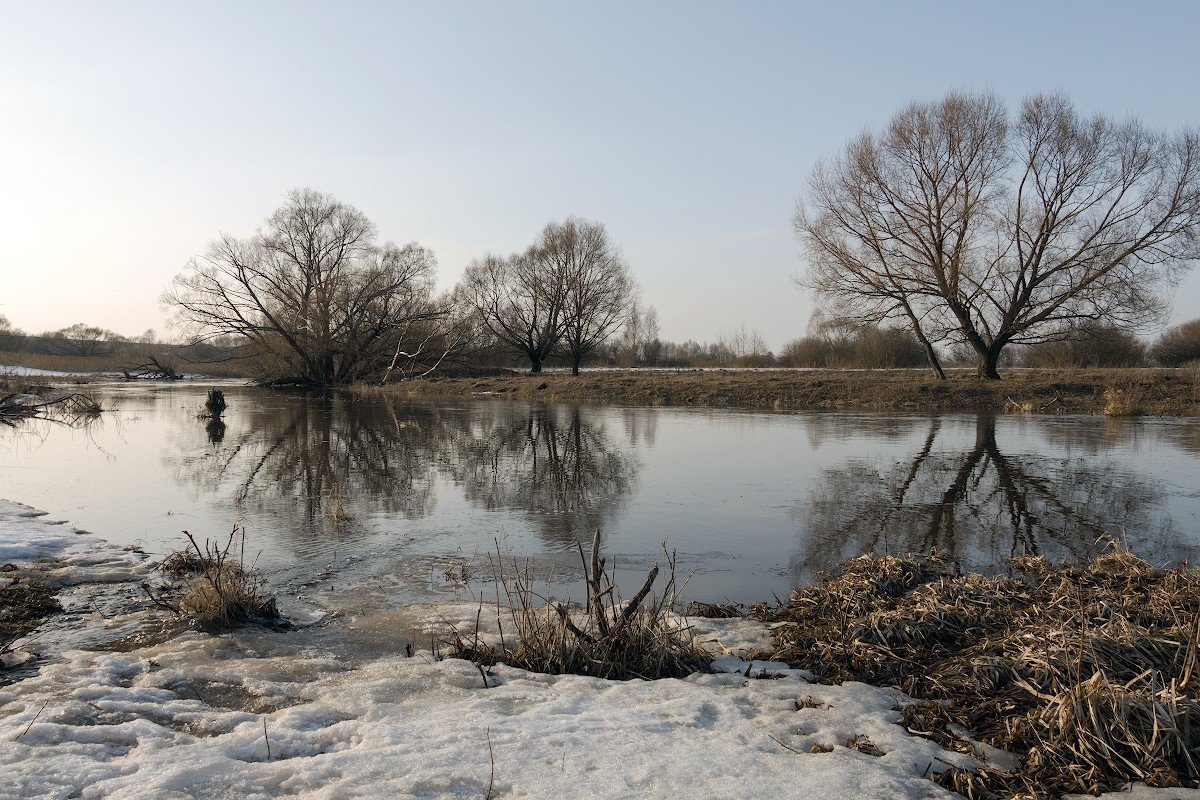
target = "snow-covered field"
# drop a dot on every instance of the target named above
(262, 714)
(19, 371)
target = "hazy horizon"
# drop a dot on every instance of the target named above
(135, 133)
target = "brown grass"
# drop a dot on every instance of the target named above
(1165, 392)
(1088, 673)
(1124, 400)
(607, 637)
(219, 589)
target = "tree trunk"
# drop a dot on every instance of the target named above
(930, 353)
(535, 365)
(934, 363)
(989, 359)
(575, 359)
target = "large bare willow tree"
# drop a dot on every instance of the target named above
(313, 294)
(971, 227)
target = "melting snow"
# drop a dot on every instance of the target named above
(258, 715)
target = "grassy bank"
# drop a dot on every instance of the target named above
(1149, 391)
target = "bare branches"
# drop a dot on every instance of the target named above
(571, 290)
(975, 230)
(313, 294)
(71, 409)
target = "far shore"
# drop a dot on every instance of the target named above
(1112, 391)
(1118, 392)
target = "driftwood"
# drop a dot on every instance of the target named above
(74, 407)
(153, 370)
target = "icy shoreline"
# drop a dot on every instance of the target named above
(185, 718)
(257, 714)
(158, 722)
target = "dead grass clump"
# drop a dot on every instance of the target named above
(220, 590)
(1088, 673)
(606, 637)
(863, 744)
(182, 562)
(214, 404)
(1123, 401)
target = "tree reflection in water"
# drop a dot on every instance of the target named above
(323, 465)
(568, 476)
(331, 463)
(980, 504)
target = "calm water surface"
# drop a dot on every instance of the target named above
(754, 503)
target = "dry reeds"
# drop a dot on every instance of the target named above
(1089, 673)
(1123, 401)
(220, 590)
(606, 637)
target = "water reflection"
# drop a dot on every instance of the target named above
(970, 497)
(567, 474)
(330, 464)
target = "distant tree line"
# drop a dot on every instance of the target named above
(959, 232)
(82, 340)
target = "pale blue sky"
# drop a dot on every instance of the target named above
(132, 133)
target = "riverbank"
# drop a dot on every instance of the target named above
(262, 713)
(265, 713)
(1088, 674)
(1156, 392)
(86, 369)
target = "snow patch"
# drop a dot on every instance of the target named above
(62, 554)
(158, 722)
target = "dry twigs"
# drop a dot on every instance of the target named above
(220, 589)
(606, 637)
(75, 408)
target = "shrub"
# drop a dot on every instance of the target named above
(1178, 345)
(1090, 345)
(604, 638)
(219, 589)
(866, 348)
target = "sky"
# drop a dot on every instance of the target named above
(133, 133)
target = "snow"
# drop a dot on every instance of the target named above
(185, 717)
(158, 722)
(258, 714)
(19, 371)
(63, 555)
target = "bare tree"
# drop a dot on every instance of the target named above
(598, 287)
(520, 300)
(571, 290)
(84, 340)
(10, 335)
(985, 232)
(745, 346)
(314, 295)
(639, 344)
